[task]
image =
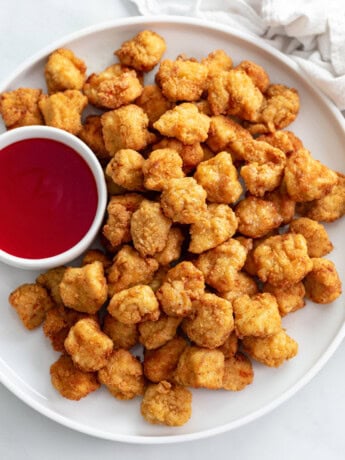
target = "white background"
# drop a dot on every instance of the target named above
(309, 425)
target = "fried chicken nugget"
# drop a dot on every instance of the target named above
(123, 335)
(289, 298)
(217, 61)
(172, 249)
(20, 107)
(216, 226)
(71, 382)
(51, 280)
(122, 375)
(218, 176)
(226, 135)
(322, 283)
(166, 403)
(191, 154)
(161, 166)
(272, 350)
(64, 70)
(260, 178)
(155, 334)
(211, 321)
(318, 241)
(126, 169)
(93, 255)
(88, 346)
(283, 203)
(286, 141)
(153, 103)
(143, 51)
(84, 289)
(238, 372)
(257, 74)
(31, 302)
(230, 346)
(91, 134)
(242, 284)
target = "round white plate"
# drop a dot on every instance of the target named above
(25, 357)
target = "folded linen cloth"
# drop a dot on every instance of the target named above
(312, 32)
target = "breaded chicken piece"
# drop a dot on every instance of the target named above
(238, 372)
(87, 345)
(155, 334)
(257, 74)
(143, 51)
(322, 283)
(63, 110)
(91, 134)
(182, 284)
(71, 382)
(234, 93)
(272, 350)
(200, 368)
(191, 154)
(283, 260)
(129, 269)
(307, 179)
(123, 375)
(289, 298)
(114, 87)
(20, 107)
(317, 238)
(134, 305)
(283, 203)
(183, 200)
(93, 255)
(256, 316)
(250, 265)
(168, 404)
(64, 70)
(216, 62)
(126, 170)
(221, 264)
(126, 128)
(84, 289)
(184, 122)
(119, 213)
(242, 284)
(286, 141)
(182, 80)
(226, 134)
(149, 228)
(172, 249)
(153, 103)
(211, 321)
(158, 278)
(256, 217)
(161, 166)
(230, 346)
(123, 335)
(51, 280)
(218, 176)
(160, 364)
(262, 178)
(214, 227)
(31, 302)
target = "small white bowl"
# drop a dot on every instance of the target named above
(46, 132)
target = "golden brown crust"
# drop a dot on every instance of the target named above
(322, 283)
(238, 372)
(20, 107)
(64, 70)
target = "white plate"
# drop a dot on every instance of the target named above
(25, 357)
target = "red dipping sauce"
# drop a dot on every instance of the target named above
(48, 198)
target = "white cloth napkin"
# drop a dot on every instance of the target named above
(312, 32)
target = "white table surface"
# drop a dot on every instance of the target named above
(309, 425)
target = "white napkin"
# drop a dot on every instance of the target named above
(312, 32)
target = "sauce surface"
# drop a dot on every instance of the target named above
(48, 198)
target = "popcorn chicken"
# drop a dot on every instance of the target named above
(122, 375)
(221, 264)
(88, 346)
(256, 217)
(238, 372)
(84, 289)
(63, 110)
(160, 364)
(289, 298)
(216, 226)
(51, 280)
(272, 350)
(242, 284)
(172, 249)
(256, 316)
(185, 123)
(217, 61)
(191, 154)
(167, 404)
(31, 302)
(322, 283)
(226, 135)
(64, 70)
(71, 382)
(153, 103)
(306, 178)
(211, 321)
(123, 335)
(161, 166)
(126, 128)
(134, 305)
(286, 141)
(317, 239)
(125, 169)
(183, 284)
(93, 255)
(200, 367)
(261, 178)
(283, 203)
(130, 269)
(257, 74)
(142, 52)
(230, 346)
(158, 278)
(182, 80)
(283, 260)
(20, 107)
(218, 176)
(91, 134)
(116, 86)
(183, 200)
(155, 334)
